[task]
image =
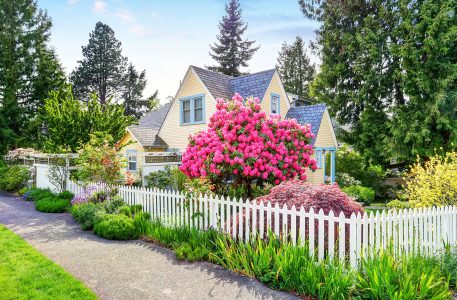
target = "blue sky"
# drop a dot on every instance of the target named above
(165, 37)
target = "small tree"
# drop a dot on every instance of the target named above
(433, 183)
(243, 145)
(98, 161)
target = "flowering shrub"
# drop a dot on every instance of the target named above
(95, 193)
(98, 162)
(20, 152)
(434, 182)
(243, 144)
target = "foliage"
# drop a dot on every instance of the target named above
(134, 103)
(344, 179)
(169, 178)
(433, 183)
(295, 68)
(35, 194)
(242, 144)
(284, 266)
(387, 276)
(388, 71)
(14, 177)
(397, 204)
(22, 191)
(67, 195)
(28, 274)
(98, 162)
(353, 164)
(112, 206)
(52, 205)
(29, 69)
(448, 264)
(102, 68)
(94, 192)
(70, 123)
(230, 51)
(360, 193)
(84, 213)
(58, 172)
(116, 227)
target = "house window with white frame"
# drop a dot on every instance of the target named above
(318, 156)
(275, 101)
(132, 160)
(192, 110)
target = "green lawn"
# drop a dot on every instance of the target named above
(27, 274)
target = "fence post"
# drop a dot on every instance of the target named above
(352, 240)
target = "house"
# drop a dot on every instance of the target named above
(165, 132)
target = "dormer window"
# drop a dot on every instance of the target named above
(275, 101)
(192, 110)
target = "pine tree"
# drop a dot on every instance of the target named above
(29, 69)
(134, 84)
(102, 69)
(230, 51)
(295, 68)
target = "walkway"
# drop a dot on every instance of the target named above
(124, 270)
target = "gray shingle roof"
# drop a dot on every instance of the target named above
(155, 118)
(146, 132)
(309, 114)
(147, 136)
(218, 84)
(254, 85)
(224, 86)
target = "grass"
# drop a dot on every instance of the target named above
(26, 274)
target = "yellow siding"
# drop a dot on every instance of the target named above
(175, 135)
(132, 146)
(325, 136)
(275, 87)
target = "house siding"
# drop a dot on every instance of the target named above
(275, 88)
(176, 135)
(325, 138)
(134, 145)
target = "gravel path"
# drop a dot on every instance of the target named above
(124, 270)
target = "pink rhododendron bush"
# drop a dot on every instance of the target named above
(243, 145)
(298, 193)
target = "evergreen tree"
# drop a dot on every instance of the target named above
(230, 51)
(134, 84)
(295, 68)
(388, 70)
(102, 69)
(29, 69)
(153, 101)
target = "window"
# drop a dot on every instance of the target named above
(193, 110)
(132, 160)
(318, 156)
(275, 100)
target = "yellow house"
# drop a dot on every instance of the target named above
(168, 129)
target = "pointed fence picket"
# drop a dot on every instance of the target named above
(326, 235)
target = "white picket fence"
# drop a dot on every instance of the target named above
(326, 235)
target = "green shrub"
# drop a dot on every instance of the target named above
(136, 208)
(22, 191)
(360, 193)
(169, 178)
(142, 223)
(52, 205)
(65, 195)
(13, 178)
(125, 210)
(397, 204)
(386, 276)
(114, 204)
(449, 265)
(116, 227)
(85, 213)
(35, 194)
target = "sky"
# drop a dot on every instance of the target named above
(165, 37)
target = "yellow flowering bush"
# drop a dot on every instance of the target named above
(433, 183)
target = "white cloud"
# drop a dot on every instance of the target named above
(125, 16)
(72, 2)
(99, 7)
(139, 30)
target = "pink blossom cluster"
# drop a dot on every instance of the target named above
(242, 141)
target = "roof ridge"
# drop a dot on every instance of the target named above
(206, 70)
(256, 73)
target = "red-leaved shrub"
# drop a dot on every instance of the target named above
(298, 193)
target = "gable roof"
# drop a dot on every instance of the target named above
(147, 136)
(308, 114)
(224, 86)
(155, 118)
(146, 132)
